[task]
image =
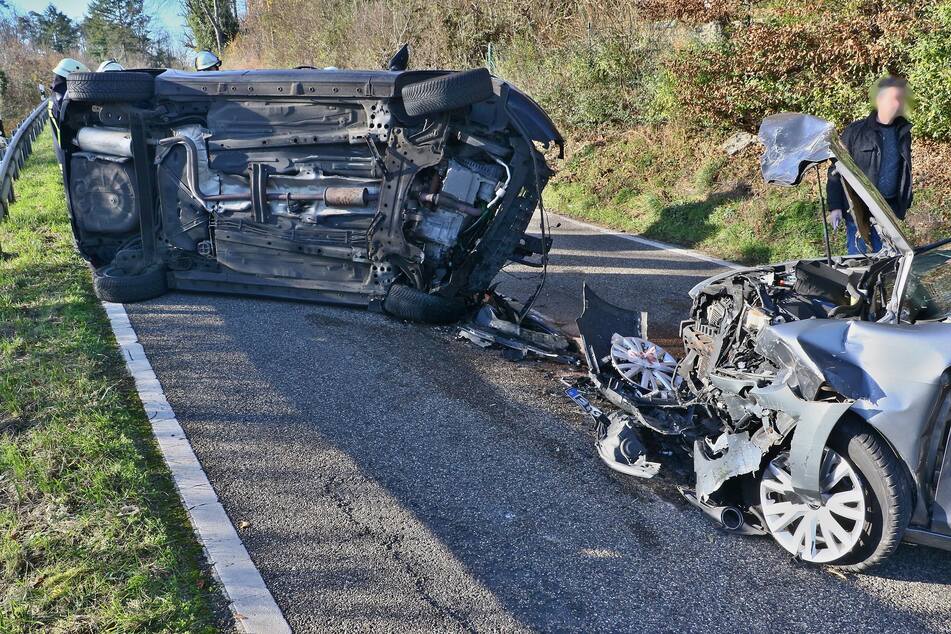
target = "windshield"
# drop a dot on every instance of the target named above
(929, 286)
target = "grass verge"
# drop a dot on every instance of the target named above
(666, 184)
(93, 537)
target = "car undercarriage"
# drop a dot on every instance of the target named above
(406, 190)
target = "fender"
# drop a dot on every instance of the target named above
(814, 422)
(537, 124)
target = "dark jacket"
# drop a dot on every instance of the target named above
(864, 142)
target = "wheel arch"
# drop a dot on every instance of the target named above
(857, 417)
(817, 422)
(886, 513)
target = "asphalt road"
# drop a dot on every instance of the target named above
(389, 477)
(623, 271)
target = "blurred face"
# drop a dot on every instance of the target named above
(890, 103)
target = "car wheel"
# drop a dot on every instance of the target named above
(110, 86)
(413, 304)
(111, 284)
(447, 92)
(865, 505)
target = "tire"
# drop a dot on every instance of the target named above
(110, 86)
(885, 493)
(887, 489)
(448, 92)
(413, 304)
(111, 285)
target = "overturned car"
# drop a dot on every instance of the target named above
(815, 395)
(405, 190)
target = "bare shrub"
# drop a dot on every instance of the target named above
(799, 59)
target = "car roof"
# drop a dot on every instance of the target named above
(278, 83)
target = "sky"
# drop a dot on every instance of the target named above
(163, 12)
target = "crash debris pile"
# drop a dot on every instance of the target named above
(503, 322)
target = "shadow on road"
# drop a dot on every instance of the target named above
(448, 466)
(688, 223)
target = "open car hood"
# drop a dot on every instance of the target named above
(795, 142)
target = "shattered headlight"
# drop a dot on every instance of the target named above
(756, 320)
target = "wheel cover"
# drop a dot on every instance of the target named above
(645, 365)
(817, 534)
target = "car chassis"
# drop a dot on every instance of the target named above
(405, 190)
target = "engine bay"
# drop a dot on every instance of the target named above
(721, 355)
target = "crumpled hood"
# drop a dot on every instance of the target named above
(795, 142)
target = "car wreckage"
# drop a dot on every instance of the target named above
(402, 190)
(815, 395)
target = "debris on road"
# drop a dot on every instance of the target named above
(500, 322)
(618, 442)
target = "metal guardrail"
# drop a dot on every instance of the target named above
(19, 148)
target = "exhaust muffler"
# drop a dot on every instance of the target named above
(110, 141)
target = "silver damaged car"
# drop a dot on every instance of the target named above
(814, 394)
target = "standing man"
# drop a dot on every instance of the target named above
(880, 144)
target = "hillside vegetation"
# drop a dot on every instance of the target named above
(647, 91)
(32, 43)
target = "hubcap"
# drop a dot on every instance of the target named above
(819, 533)
(645, 365)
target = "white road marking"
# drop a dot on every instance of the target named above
(254, 608)
(623, 270)
(651, 243)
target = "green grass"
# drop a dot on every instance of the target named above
(663, 184)
(93, 537)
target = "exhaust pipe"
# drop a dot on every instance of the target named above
(334, 195)
(732, 518)
(729, 518)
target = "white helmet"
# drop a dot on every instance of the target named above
(206, 60)
(69, 65)
(109, 65)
